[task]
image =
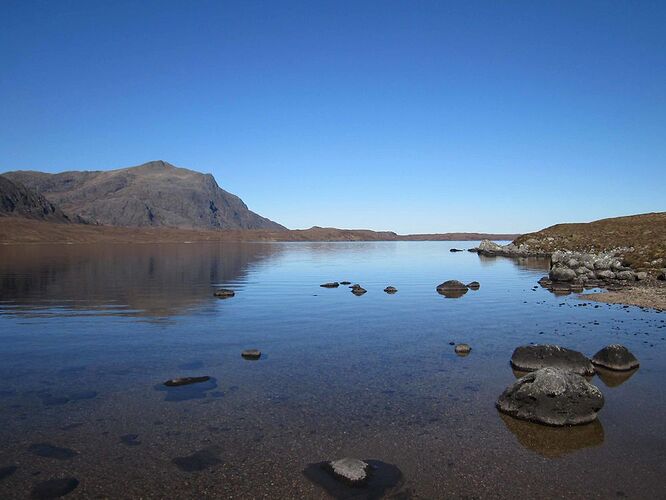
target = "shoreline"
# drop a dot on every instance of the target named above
(18, 231)
(650, 295)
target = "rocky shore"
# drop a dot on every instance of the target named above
(621, 278)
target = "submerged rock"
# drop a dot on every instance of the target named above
(199, 460)
(358, 290)
(252, 354)
(224, 293)
(534, 357)
(345, 282)
(177, 382)
(391, 289)
(54, 488)
(462, 349)
(51, 451)
(615, 357)
(359, 479)
(552, 396)
(333, 284)
(350, 470)
(474, 285)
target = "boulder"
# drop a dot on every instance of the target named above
(451, 285)
(474, 285)
(615, 357)
(552, 396)
(641, 276)
(605, 274)
(358, 290)
(534, 357)
(561, 273)
(224, 293)
(490, 246)
(391, 289)
(625, 275)
(345, 282)
(333, 284)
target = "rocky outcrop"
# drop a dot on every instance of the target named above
(552, 396)
(615, 357)
(534, 357)
(17, 200)
(489, 248)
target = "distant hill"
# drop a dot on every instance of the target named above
(16, 200)
(644, 235)
(150, 195)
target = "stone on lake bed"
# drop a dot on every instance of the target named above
(474, 285)
(391, 289)
(350, 470)
(534, 357)
(333, 284)
(462, 349)
(54, 488)
(176, 382)
(251, 354)
(224, 293)
(615, 357)
(552, 396)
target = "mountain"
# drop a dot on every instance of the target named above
(16, 200)
(153, 194)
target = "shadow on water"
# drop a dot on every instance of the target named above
(136, 280)
(553, 442)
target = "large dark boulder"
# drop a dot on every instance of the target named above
(529, 358)
(451, 285)
(552, 396)
(615, 357)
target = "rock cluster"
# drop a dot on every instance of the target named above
(579, 267)
(489, 248)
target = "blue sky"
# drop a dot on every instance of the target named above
(412, 116)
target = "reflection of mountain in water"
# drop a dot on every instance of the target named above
(553, 442)
(153, 280)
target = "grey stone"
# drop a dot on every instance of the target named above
(224, 293)
(615, 357)
(474, 285)
(334, 284)
(552, 396)
(641, 276)
(534, 357)
(561, 273)
(625, 275)
(605, 274)
(350, 470)
(391, 289)
(358, 290)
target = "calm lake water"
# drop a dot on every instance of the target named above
(89, 333)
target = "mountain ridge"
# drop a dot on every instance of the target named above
(153, 194)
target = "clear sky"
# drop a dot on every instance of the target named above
(413, 116)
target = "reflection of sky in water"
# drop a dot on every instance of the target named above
(372, 376)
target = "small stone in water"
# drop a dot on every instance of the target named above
(334, 284)
(224, 293)
(175, 382)
(351, 470)
(391, 289)
(462, 349)
(251, 354)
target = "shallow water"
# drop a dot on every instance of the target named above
(88, 334)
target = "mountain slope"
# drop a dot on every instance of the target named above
(16, 200)
(152, 194)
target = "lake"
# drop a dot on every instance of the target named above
(88, 335)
